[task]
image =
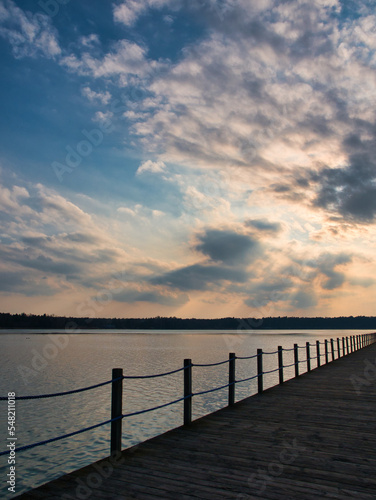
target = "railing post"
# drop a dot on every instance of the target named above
(116, 410)
(296, 360)
(332, 347)
(280, 363)
(308, 357)
(352, 343)
(231, 379)
(187, 391)
(326, 352)
(318, 353)
(347, 345)
(339, 347)
(343, 347)
(260, 384)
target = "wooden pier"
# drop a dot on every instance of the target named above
(312, 437)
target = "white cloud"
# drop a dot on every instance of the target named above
(128, 12)
(103, 97)
(29, 35)
(155, 167)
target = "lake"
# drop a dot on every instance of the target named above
(40, 362)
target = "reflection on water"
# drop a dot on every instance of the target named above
(35, 363)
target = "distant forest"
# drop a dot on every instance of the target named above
(44, 321)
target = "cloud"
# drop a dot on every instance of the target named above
(154, 167)
(228, 247)
(102, 97)
(128, 12)
(152, 296)
(29, 35)
(349, 191)
(264, 226)
(326, 265)
(199, 277)
(304, 299)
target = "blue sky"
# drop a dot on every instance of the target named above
(204, 158)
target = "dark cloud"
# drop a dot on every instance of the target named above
(326, 265)
(350, 191)
(200, 277)
(228, 247)
(25, 283)
(303, 299)
(263, 225)
(261, 294)
(151, 296)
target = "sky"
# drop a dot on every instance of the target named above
(189, 158)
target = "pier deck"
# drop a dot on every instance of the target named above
(312, 437)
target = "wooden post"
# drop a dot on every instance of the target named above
(343, 346)
(338, 347)
(116, 410)
(260, 384)
(318, 353)
(332, 347)
(308, 357)
(351, 343)
(347, 345)
(187, 391)
(326, 352)
(280, 363)
(296, 360)
(231, 379)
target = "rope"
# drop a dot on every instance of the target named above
(274, 352)
(212, 364)
(210, 390)
(271, 371)
(156, 407)
(288, 366)
(247, 357)
(157, 375)
(246, 379)
(29, 446)
(41, 396)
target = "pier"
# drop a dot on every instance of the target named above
(311, 437)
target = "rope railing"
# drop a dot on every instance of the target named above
(345, 346)
(56, 394)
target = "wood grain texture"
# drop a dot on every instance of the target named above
(312, 437)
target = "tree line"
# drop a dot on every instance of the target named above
(34, 321)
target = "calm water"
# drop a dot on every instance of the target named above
(40, 363)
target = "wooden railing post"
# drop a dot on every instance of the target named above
(343, 347)
(326, 352)
(352, 343)
(296, 360)
(318, 353)
(347, 345)
(338, 347)
(187, 391)
(260, 385)
(116, 410)
(280, 363)
(231, 379)
(332, 347)
(308, 357)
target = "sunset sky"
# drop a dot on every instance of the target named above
(190, 158)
